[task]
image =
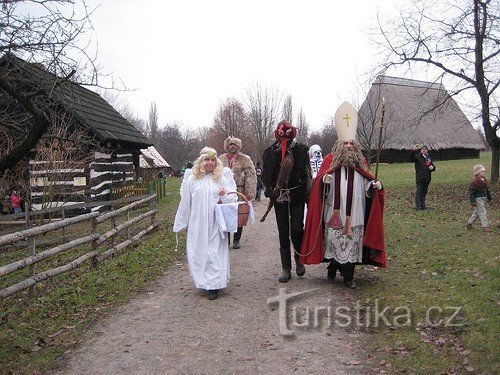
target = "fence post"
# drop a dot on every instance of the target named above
(26, 215)
(32, 250)
(94, 243)
(113, 224)
(153, 207)
(63, 216)
(128, 228)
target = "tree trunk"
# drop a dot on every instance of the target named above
(495, 156)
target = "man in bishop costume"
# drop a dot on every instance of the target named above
(344, 223)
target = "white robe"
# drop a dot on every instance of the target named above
(337, 245)
(207, 250)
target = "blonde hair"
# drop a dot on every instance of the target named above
(205, 154)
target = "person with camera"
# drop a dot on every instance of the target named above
(423, 169)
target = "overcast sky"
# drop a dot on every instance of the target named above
(190, 55)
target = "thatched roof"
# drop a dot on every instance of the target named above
(88, 107)
(413, 115)
(151, 158)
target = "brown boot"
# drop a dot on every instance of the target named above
(487, 229)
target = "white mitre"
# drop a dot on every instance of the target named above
(346, 122)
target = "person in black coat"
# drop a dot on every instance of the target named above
(287, 180)
(423, 169)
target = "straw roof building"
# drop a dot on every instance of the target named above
(415, 112)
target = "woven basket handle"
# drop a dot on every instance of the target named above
(242, 196)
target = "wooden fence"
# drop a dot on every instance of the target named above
(158, 187)
(95, 239)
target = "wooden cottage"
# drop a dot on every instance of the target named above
(105, 148)
(416, 112)
(151, 163)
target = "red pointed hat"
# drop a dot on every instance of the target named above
(284, 132)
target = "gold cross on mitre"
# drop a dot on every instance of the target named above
(346, 122)
(346, 118)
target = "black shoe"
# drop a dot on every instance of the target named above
(300, 269)
(213, 294)
(285, 276)
(236, 244)
(350, 284)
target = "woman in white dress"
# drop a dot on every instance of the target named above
(207, 250)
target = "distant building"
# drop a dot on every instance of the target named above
(414, 114)
(151, 163)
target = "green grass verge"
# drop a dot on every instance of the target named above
(436, 268)
(35, 332)
(434, 262)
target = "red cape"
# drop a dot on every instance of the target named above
(311, 251)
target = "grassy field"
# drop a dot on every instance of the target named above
(436, 269)
(441, 274)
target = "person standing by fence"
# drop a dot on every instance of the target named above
(206, 247)
(15, 202)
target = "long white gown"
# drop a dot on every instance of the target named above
(207, 250)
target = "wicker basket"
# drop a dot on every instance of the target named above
(243, 209)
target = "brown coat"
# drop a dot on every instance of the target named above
(244, 174)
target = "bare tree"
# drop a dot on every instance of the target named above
(369, 122)
(59, 166)
(203, 135)
(53, 38)
(287, 111)
(262, 107)
(325, 137)
(460, 41)
(230, 120)
(483, 138)
(302, 128)
(177, 146)
(153, 121)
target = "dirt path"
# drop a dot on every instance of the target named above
(172, 328)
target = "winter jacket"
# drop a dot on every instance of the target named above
(422, 166)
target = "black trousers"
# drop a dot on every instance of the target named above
(420, 194)
(346, 269)
(290, 221)
(236, 236)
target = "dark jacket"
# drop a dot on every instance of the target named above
(479, 190)
(299, 180)
(422, 164)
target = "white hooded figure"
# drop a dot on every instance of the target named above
(316, 158)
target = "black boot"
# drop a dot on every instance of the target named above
(213, 294)
(332, 270)
(286, 264)
(299, 268)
